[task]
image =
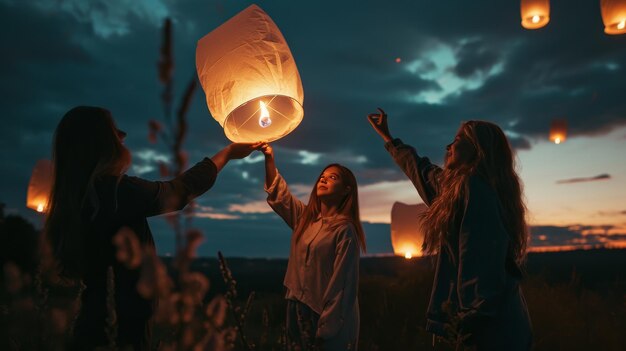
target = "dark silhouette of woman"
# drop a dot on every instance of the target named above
(476, 225)
(322, 276)
(91, 200)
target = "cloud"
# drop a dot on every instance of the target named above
(104, 53)
(251, 207)
(106, 17)
(550, 238)
(612, 213)
(376, 199)
(603, 176)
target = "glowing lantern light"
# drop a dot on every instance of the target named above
(264, 120)
(614, 16)
(535, 13)
(40, 186)
(398, 60)
(252, 85)
(407, 236)
(558, 131)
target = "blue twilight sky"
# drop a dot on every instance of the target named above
(460, 60)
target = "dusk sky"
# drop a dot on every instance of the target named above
(459, 60)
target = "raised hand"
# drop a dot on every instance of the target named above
(241, 150)
(267, 150)
(270, 166)
(379, 123)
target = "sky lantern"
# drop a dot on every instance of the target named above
(558, 131)
(535, 13)
(407, 235)
(252, 85)
(40, 186)
(614, 16)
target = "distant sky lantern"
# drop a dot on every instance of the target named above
(558, 131)
(407, 236)
(398, 60)
(614, 16)
(535, 13)
(252, 85)
(40, 186)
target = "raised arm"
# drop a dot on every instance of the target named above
(280, 199)
(483, 243)
(422, 173)
(342, 290)
(140, 197)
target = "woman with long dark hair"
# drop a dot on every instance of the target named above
(322, 276)
(476, 226)
(91, 200)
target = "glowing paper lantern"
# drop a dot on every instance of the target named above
(535, 13)
(614, 16)
(40, 186)
(252, 85)
(407, 235)
(558, 131)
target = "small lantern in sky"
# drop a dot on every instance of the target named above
(407, 235)
(252, 85)
(40, 186)
(535, 13)
(614, 16)
(558, 131)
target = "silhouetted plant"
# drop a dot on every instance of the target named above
(238, 314)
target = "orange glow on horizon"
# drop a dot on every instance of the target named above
(562, 248)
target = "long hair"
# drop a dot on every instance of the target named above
(494, 161)
(348, 206)
(86, 146)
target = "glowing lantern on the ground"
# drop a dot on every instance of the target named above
(535, 13)
(407, 235)
(40, 186)
(250, 78)
(614, 16)
(558, 131)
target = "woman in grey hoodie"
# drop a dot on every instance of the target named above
(476, 226)
(322, 276)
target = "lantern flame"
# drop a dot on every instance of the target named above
(264, 120)
(408, 255)
(40, 208)
(622, 24)
(536, 19)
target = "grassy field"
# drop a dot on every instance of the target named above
(577, 300)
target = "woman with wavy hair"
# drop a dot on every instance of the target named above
(476, 226)
(91, 200)
(322, 277)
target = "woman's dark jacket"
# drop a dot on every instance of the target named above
(117, 203)
(474, 274)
